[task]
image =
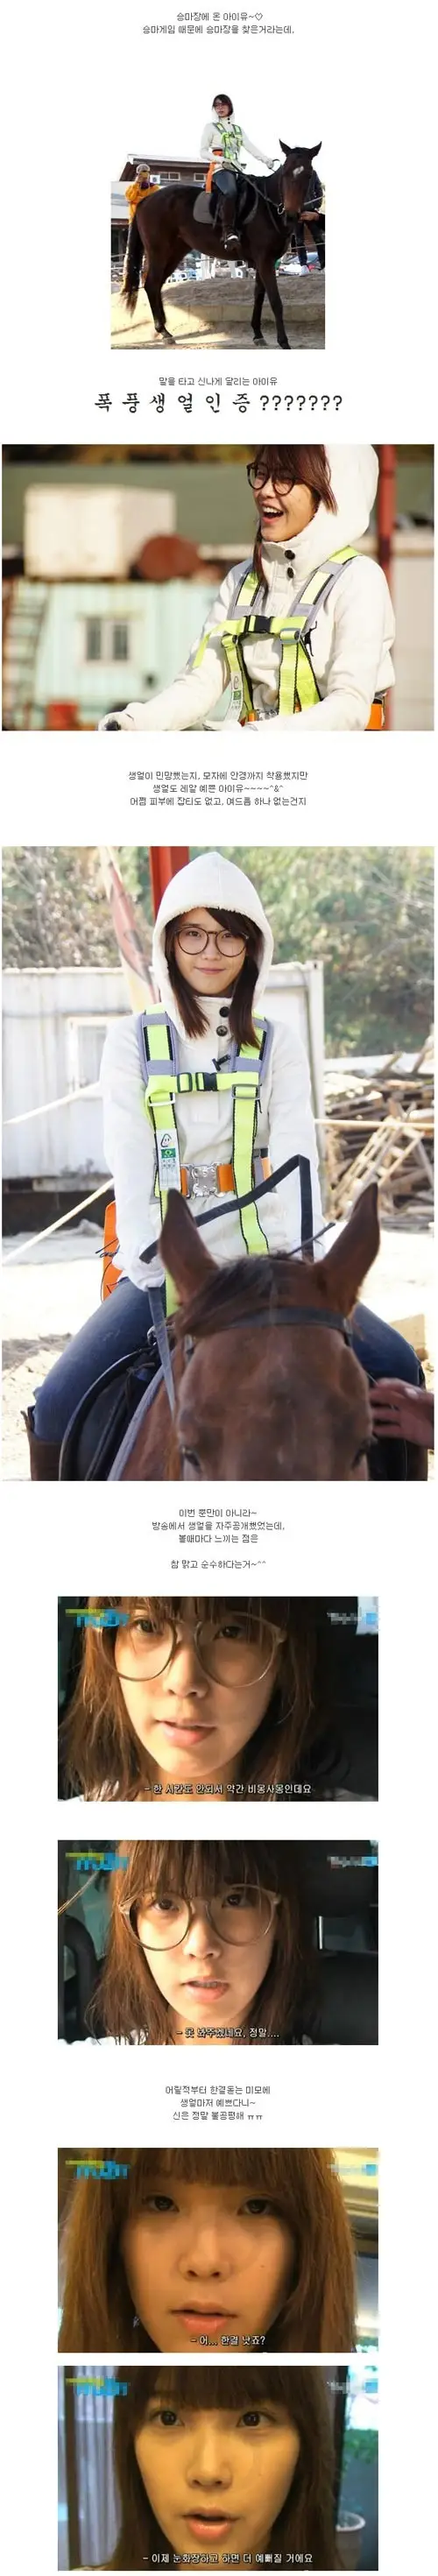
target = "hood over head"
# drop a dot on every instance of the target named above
(213, 882)
(354, 475)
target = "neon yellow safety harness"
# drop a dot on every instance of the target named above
(164, 1084)
(297, 687)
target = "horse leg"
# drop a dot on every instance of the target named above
(300, 245)
(153, 280)
(266, 272)
(256, 316)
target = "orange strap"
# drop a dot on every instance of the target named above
(217, 156)
(110, 1274)
(377, 718)
(224, 1177)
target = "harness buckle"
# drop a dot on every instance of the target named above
(202, 1181)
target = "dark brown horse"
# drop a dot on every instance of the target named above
(288, 1401)
(166, 225)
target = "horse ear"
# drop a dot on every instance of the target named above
(285, 147)
(316, 147)
(184, 1254)
(345, 1267)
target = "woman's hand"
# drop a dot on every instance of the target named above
(402, 1412)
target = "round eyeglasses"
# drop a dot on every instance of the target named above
(259, 475)
(194, 941)
(232, 1651)
(236, 1915)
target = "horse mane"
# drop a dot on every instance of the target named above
(266, 1283)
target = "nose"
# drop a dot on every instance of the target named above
(211, 2467)
(201, 1941)
(186, 1679)
(205, 2259)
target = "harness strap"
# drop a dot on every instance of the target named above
(162, 1340)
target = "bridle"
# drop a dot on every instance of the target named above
(281, 1314)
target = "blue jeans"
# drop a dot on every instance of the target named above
(383, 1352)
(121, 1324)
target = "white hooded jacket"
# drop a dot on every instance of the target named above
(205, 1119)
(351, 642)
(212, 141)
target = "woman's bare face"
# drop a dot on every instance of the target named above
(210, 1983)
(216, 2478)
(210, 972)
(208, 2265)
(191, 1723)
(283, 514)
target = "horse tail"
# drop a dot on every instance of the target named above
(133, 264)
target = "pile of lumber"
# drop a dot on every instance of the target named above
(380, 1127)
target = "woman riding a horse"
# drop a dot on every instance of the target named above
(224, 141)
(303, 631)
(211, 955)
(198, 1097)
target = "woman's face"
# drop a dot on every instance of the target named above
(283, 514)
(222, 106)
(210, 969)
(191, 1722)
(216, 2479)
(208, 1980)
(206, 2263)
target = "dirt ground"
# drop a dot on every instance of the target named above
(47, 1296)
(216, 314)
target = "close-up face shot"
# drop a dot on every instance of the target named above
(210, 1944)
(191, 1698)
(214, 587)
(218, 1165)
(217, 2249)
(218, 2468)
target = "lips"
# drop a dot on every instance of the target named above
(184, 1736)
(207, 1986)
(210, 2526)
(210, 2318)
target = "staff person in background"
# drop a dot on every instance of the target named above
(207, 2246)
(303, 631)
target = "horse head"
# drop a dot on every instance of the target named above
(296, 175)
(290, 1401)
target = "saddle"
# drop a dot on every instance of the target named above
(98, 1426)
(206, 208)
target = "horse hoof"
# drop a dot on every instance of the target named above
(283, 344)
(166, 335)
(259, 342)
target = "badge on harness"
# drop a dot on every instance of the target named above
(169, 1172)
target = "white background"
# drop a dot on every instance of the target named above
(82, 88)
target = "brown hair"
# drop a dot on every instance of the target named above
(240, 1011)
(318, 2312)
(308, 465)
(307, 2519)
(128, 2004)
(98, 1744)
